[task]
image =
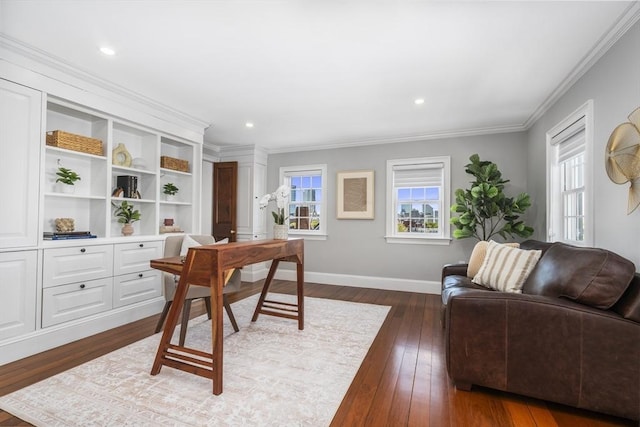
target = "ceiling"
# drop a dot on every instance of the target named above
(312, 74)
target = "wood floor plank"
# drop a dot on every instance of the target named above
(401, 382)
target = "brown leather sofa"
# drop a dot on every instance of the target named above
(572, 336)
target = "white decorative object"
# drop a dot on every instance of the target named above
(281, 231)
(121, 156)
(281, 196)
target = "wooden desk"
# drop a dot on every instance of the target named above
(205, 266)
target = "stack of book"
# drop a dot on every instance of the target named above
(68, 235)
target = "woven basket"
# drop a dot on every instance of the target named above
(70, 141)
(174, 164)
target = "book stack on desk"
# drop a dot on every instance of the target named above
(68, 235)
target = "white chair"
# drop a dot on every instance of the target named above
(172, 247)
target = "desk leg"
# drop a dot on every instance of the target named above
(265, 288)
(170, 326)
(300, 292)
(217, 332)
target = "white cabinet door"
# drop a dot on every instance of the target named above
(136, 287)
(76, 300)
(133, 257)
(18, 271)
(20, 135)
(67, 265)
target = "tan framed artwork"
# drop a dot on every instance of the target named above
(355, 195)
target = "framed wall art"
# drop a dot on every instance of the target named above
(355, 195)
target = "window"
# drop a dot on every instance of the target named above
(418, 200)
(569, 170)
(307, 202)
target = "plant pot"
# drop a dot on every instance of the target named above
(61, 187)
(169, 197)
(280, 232)
(127, 230)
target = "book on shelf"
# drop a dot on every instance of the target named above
(47, 235)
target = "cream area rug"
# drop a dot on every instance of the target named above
(274, 374)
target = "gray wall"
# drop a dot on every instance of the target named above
(614, 85)
(358, 247)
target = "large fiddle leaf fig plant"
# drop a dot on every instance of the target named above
(483, 210)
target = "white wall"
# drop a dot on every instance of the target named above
(614, 85)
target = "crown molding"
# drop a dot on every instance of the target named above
(409, 138)
(627, 19)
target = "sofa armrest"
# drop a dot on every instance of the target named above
(547, 348)
(459, 269)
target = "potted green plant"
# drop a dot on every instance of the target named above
(127, 215)
(67, 179)
(484, 210)
(170, 190)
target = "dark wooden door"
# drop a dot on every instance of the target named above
(225, 186)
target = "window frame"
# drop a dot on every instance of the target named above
(581, 119)
(285, 173)
(443, 238)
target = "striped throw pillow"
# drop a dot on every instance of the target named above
(478, 254)
(505, 269)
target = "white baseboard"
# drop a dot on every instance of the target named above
(385, 283)
(64, 333)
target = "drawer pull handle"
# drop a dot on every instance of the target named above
(83, 250)
(82, 286)
(141, 245)
(140, 275)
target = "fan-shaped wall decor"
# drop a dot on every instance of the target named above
(623, 157)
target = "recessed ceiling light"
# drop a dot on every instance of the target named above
(249, 124)
(419, 101)
(107, 51)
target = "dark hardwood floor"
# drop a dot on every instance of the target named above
(402, 381)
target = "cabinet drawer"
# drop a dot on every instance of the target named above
(69, 302)
(136, 287)
(67, 265)
(133, 257)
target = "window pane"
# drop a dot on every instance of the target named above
(433, 193)
(417, 194)
(295, 182)
(306, 182)
(404, 194)
(316, 181)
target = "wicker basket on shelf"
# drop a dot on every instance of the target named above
(174, 164)
(70, 141)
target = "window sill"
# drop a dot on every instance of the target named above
(440, 241)
(308, 236)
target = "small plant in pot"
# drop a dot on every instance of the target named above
(127, 215)
(67, 179)
(170, 190)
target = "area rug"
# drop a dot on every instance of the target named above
(274, 375)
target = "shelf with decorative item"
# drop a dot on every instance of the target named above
(134, 147)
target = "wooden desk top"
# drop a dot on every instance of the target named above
(211, 258)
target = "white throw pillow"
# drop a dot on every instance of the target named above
(505, 268)
(188, 242)
(222, 241)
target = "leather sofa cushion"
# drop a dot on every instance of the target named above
(590, 276)
(628, 306)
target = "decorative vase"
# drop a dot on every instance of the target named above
(127, 230)
(61, 187)
(280, 232)
(169, 197)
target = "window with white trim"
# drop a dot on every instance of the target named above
(569, 169)
(307, 210)
(418, 200)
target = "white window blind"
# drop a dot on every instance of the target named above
(418, 175)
